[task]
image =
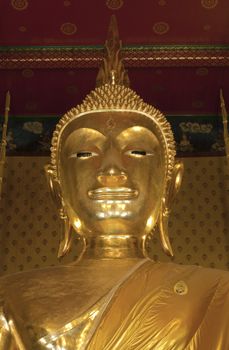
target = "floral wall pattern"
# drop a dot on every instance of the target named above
(30, 227)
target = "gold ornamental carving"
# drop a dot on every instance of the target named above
(114, 4)
(161, 28)
(19, 5)
(209, 4)
(68, 28)
(165, 56)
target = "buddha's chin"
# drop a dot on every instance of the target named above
(114, 209)
(115, 226)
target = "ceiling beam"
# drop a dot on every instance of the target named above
(22, 57)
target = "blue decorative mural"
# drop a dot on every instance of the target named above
(194, 135)
(198, 135)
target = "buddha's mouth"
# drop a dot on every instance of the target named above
(109, 193)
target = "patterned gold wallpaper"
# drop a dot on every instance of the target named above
(30, 227)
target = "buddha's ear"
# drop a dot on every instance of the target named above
(55, 190)
(172, 189)
(174, 183)
(54, 186)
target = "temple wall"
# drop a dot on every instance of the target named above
(30, 227)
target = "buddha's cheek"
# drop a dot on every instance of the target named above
(147, 176)
(79, 177)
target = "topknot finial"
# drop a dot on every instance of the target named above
(112, 70)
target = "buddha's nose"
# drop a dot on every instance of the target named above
(112, 172)
(112, 177)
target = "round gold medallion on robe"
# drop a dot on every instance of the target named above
(180, 288)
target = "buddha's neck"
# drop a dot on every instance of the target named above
(114, 247)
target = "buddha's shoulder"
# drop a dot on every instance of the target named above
(34, 279)
(40, 286)
(45, 293)
(202, 277)
(55, 295)
(165, 267)
(206, 273)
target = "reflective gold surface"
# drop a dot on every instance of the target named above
(116, 304)
(108, 181)
(113, 178)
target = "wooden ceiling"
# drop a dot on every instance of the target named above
(176, 52)
(146, 22)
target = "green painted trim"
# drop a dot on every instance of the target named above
(176, 47)
(125, 48)
(48, 48)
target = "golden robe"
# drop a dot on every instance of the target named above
(161, 306)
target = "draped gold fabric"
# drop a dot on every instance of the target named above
(148, 313)
(161, 306)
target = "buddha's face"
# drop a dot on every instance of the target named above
(112, 173)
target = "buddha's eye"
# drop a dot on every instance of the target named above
(138, 153)
(83, 155)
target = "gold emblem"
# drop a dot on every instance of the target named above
(181, 288)
(202, 71)
(27, 73)
(19, 5)
(68, 28)
(161, 28)
(162, 2)
(114, 4)
(209, 4)
(110, 124)
(67, 3)
(22, 29)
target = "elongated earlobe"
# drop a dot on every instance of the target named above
(163, 229)
(172, 190)
(66, 235)
(66, 229)
(144, 247)
(54, 186)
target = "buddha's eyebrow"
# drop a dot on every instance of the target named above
(89, 130)
(133, 130)
(82, 137)
(82, 132)
(96, 133)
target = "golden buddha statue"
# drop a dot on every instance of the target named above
(113, 177)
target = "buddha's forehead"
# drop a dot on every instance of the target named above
(110, 123)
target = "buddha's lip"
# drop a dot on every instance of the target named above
(113, 193)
